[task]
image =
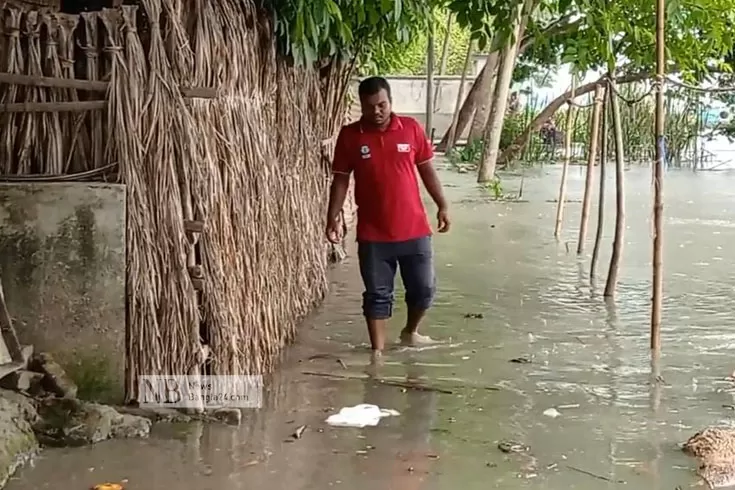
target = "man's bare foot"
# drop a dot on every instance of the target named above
(415, 339)
(376, 361)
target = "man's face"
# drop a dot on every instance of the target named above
(376, 108)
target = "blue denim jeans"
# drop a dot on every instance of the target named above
(378, 264)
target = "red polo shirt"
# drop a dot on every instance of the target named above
(389, 205)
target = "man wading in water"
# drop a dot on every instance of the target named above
(384, 151)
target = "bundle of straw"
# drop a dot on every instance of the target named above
(78, 159)
(58, 126)
(33, 126)
(126, 98)
(13, 62)
(178, 311)
(91, 55)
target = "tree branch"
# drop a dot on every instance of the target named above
(522, 140)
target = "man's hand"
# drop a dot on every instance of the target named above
(442, 218)
(333, 231)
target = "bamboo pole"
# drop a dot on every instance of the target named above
(591, 158)
(445, 53)
(617, 252)
(601, 194)
(430, 80)
(658, 200)
(567, 158)
(34, 107)
(460, 95)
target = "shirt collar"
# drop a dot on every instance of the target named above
(394, 125)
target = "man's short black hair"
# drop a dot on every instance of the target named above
(373, 85)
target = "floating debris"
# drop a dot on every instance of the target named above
(299, 432)
(509, 446)
(477, 316)
(521, 360)
(552, 412)
(108, 486)
(360, 416)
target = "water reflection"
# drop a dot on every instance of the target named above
(620, 415)
(400, 457)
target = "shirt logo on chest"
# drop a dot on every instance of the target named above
(404, 148)
(365, 152)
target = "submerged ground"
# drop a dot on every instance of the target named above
(589, 361)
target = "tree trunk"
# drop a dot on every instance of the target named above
(568, 130)
(617, 252)
(465, 113)
(494, 127)
(485, 97)
(480, 92)
(483, 110)
(453, 127)
(591, 158)
(522, 140)
(601, 200)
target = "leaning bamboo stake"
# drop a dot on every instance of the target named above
(591, 158)
(617, 252)
(460, 95)
(601, 193)
(565, 166)
(658, 197)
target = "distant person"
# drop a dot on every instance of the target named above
(385, 151)
(514, 104)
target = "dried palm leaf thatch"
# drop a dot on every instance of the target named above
(33, 127)
(58, 125)
(126, 98)
(13, 62)
(178, 311)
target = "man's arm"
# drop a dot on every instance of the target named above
(433, 186)
(337, 194)
(341, 170)
(424, 157)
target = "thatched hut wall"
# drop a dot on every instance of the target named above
(221, 145)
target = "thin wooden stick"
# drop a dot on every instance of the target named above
(601, 193)
(8, 331)
(398, 384)
(565, 165)
(617, 252)
(89, 85)
(591, 158)
(32, 107)
(658, 192)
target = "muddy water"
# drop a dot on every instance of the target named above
(589, 360)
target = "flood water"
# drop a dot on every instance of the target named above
(589, 360)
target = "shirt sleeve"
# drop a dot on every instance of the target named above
(424, 147)
(342, 161)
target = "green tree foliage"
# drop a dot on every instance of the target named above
(312, 30)
(698, 33)
(410, 58)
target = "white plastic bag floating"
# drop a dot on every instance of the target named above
(362, 415)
